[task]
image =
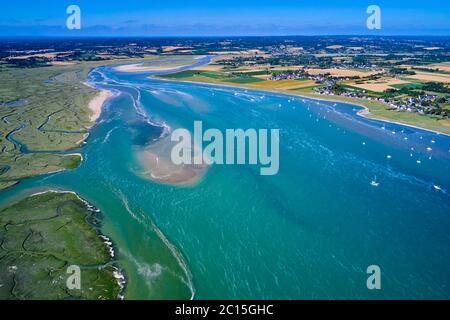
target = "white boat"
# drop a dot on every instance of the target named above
(374, 182)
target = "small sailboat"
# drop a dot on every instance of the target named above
(374, 182)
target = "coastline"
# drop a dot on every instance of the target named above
(365, 113)
(118, 273)
(106, 258)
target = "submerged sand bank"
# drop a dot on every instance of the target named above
(156, 165)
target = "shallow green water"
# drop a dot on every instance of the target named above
(309, 232)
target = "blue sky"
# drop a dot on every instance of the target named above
(217, 17)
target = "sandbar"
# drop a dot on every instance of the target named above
(140, 67)
(96, 104)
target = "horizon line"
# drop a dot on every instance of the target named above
(217, 36)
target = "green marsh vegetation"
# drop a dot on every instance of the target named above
(53, 116)
(41, 236)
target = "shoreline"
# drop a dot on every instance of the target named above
(118, 274)
(97, 102)
(93, 220)
(362, 113)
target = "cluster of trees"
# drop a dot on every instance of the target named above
(401, 71)
(436, 87)
(438, 111)
(33, 62)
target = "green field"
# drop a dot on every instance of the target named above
(212, 76)
(243, 80)
(40, 237)
(408, 86)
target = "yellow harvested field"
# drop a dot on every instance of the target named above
(444, 66)
(263, 76)
(173, 48)
(49, 55)
(445, 122)
(294, 49)
(247, 69)
(297, 67)
(379, 85)
(253, 52)
(285, 84)
(437, 77)
(322, 55)
(342, 72)
(62, 63)
(226, 52)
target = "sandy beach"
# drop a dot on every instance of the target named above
(140, 67)
(95, 105)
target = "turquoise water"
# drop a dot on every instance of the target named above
(309, 232)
